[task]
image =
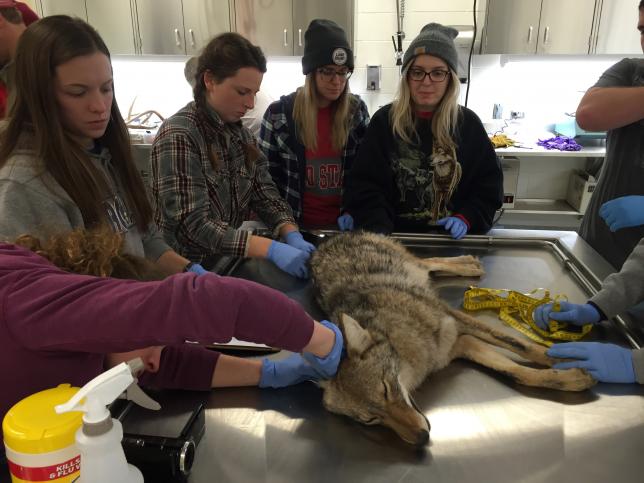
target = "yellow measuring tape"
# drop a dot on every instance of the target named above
(516, 308)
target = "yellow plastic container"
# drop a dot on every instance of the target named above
(39, 443)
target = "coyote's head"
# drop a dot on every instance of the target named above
(370, 388)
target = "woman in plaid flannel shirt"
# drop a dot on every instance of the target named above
(208, 174)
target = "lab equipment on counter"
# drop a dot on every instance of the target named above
(99, 438)
(39, 443)
(568, 127)
(162, 444)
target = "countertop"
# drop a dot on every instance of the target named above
(484, 428)
(539, 151)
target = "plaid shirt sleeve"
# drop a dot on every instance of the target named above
(181, 201)
(266, 201)
(283, 165)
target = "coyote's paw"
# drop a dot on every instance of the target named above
(573, 379)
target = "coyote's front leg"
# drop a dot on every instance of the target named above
(464, 266)
(476, 350)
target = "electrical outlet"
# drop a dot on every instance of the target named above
(517, 114)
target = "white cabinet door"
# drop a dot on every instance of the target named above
(114, 21)
(340, 11)
(565, 26)
(74, 8)
(203, 19)
(618, 32)
(512, 26)
(267, 23)
(160, 25)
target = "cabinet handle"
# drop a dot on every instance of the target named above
(299, 37)
(177, 38)
(285, 38)
(192, 37)
(546, 35)
(530, 33)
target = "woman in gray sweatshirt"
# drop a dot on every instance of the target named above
(65, 159)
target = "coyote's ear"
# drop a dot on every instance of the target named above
(357, 339)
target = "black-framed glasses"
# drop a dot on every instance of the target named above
(328, 74)
(436, 75)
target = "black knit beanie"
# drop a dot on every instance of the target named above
(325, 43)
(437, 40)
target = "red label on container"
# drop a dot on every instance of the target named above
(45, 473)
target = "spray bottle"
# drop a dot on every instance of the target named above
(99, 439)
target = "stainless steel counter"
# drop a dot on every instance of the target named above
(484, 428)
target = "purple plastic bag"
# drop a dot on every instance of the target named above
(560, 143)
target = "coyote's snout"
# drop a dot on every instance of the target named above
(397, 332)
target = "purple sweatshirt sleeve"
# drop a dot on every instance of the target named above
(186, 366)
(48, 309)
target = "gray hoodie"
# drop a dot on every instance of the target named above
(32, 202)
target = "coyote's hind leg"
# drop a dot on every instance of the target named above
(465, 266)
(515, 343)
(476, 350)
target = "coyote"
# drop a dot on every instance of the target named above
(397, 332)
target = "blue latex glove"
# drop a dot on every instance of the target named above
(328, 366)
(289, 259)
(456, 227)
(623, 212)
(605, 362)
(296, 240)
(345, 222)
(286, 372)
(198, 269)
(578, 314)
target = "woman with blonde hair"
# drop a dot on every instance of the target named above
(311, 136)
(425, 160)
(65, 159)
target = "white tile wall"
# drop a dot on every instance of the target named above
(376, 22)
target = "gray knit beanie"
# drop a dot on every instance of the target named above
(437, 40)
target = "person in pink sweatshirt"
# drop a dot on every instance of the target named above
(60, 327)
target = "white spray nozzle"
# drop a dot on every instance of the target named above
(100, 392)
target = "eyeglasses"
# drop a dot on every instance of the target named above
(419, 75)
(328, 74)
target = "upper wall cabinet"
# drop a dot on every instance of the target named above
(74, 8)
(149, 26)
(202, 20)
(278, 26)
(539, 26)
(617, 32)
(115, 21)
(179, 26)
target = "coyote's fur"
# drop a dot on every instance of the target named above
(397, 332)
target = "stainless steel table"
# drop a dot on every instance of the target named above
(484, 427)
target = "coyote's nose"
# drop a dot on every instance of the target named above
(422, 438)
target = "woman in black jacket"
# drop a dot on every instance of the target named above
(426, 160)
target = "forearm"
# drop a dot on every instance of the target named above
(321, 342)
(286, 229)
(604, 108)
(236, 371)
(620, 291)
(171, 262)
(258, 246)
